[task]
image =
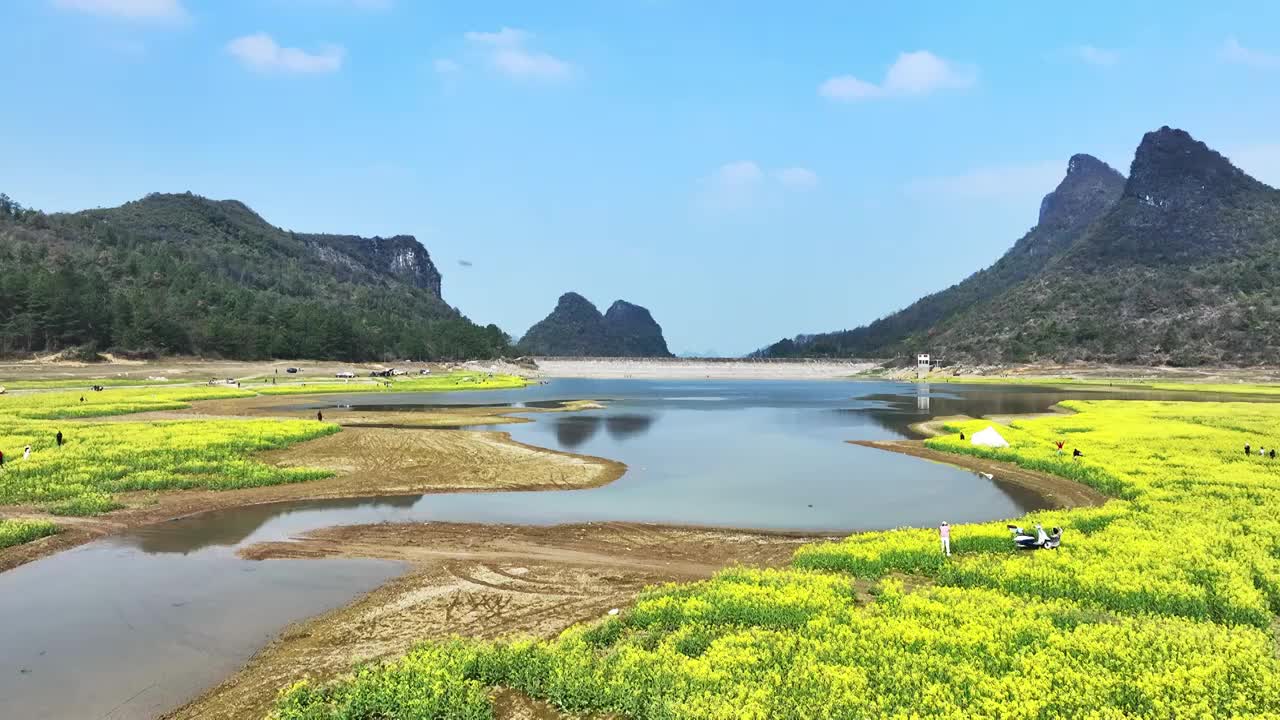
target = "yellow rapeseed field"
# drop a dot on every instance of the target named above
(99, 459)
(1160, 604)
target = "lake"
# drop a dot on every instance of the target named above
(137, 624)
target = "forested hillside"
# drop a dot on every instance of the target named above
(1175, 265)
(179, 273)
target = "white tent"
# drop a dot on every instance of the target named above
(989, 438)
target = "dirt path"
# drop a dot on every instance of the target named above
(1058, 491)
(477, 581)
(367, 461)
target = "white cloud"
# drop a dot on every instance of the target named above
(912, 74)
(445, 66)
(1261, 160)
(260, 52)
(743, 184)
(739, 173)
(507, 50)
(797, 177)
(993, 182)
(732, 187)
(506, 37)
(848, 88)
(1233, 51)
(165, 10)
(1095, 55)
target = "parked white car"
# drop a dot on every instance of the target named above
(345, 374)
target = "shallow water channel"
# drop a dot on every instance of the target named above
(134, 625)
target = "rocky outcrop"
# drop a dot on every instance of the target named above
(1175, 266)
(575, 328)
(1087, 191)
(400, 256)
(635, 331)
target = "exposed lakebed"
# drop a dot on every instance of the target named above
(136, 624)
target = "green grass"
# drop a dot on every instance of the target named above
(16, 532)
(1161, 603)
(432, 383)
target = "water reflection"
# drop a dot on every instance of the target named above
(229, 528)
(574, 430)
(627, 425)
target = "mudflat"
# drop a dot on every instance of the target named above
(481, 582)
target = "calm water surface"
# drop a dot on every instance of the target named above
(134, 625)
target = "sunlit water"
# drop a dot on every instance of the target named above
(134, 625)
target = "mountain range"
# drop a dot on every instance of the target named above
(179, 273)
(1176, 264)
(575, 328)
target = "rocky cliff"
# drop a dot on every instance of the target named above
(575, 328)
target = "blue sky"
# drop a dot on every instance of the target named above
(745, 171)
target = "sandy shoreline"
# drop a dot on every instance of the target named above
(680, 369)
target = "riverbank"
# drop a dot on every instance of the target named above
(364, 461)
(476, 581)
(1061, 493)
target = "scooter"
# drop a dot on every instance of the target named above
(1041, 540)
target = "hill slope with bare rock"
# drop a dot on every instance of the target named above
(1177, 264)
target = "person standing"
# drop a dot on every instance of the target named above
(944, 533)
(1247, 450)
(319, 416)
(1060, 443)
(58, 438)
(26, 452)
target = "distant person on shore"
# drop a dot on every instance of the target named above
(319, 416)
(58, 438)
(944, 532)
(1247, 450)
(1261, 451)
(81, 398)
(26, 452)
(1075, 453)
(961, 434)
(1273, 453)
(1060, 443)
